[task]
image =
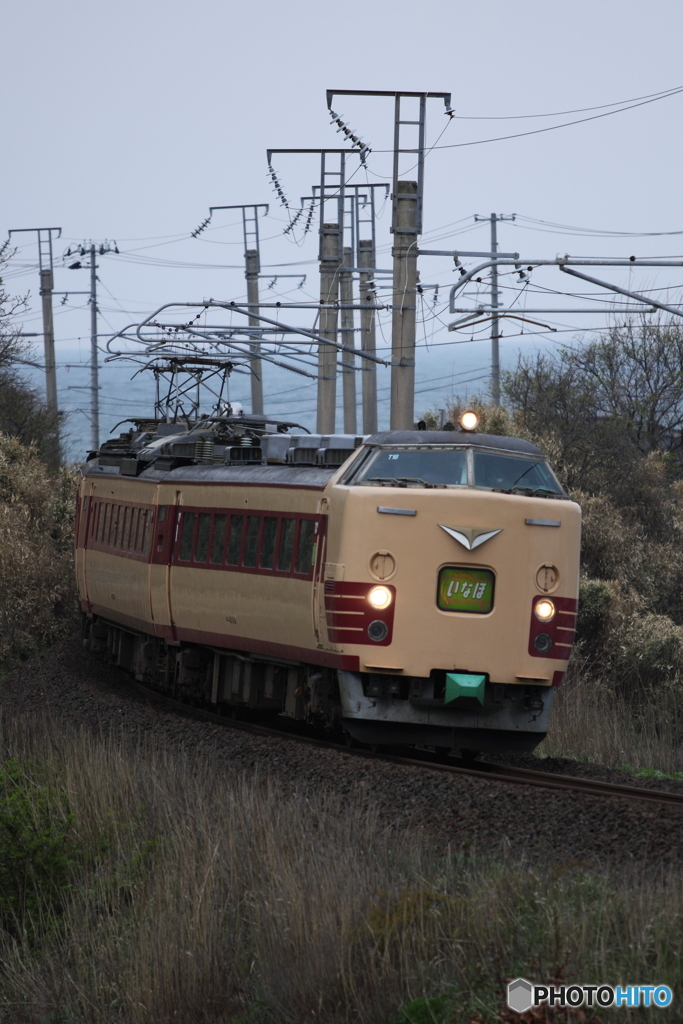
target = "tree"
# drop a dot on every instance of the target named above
(22, 410)
(607, 403)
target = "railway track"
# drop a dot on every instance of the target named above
(425, 760)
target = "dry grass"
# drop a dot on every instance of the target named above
(592, 721)
(37, 586)
(209, 899)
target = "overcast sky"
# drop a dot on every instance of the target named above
(126, 121)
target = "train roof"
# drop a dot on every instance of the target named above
(455, 437)
(314, 477)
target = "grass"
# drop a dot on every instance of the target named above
(590, 722)
(205, 898)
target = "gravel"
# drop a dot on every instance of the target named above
(68, 683)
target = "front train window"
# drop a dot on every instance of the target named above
(454, 467)
(415, 467)
(507, 473)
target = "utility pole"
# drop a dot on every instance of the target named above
(252, 269)
(252, 261)
(348, 337)
(406, 225)
(327, 354)
(403, 318)
(94, 368)
(332, 190)
(366, 259)
(495, 304)
(46, 288)
(91, 250)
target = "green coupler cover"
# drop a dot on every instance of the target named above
(464, 684)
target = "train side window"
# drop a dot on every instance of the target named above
(203, 530)
(235, 541)
(284, 562)
(187, 536)
(133, 542)
(147, 535)
(268, 543)
(251, 542)
(304, 554)
(107, 524)
(140, 530)
(100, 521)
(219, 530)
(127, 522)
(93, 509)
(140, 541)
(115, 524)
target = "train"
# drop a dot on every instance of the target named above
(407, 588)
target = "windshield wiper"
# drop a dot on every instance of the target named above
(399, 481)
(529, 490)
(415, 480)
(522, 475)
(383, 480)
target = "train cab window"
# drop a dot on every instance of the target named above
(268, 543)
(287, 534)
(203, 529)
(251, 542)
(218, 544)
(235, 540)
(304, 554)
(187, 536)
(414, 467)
(507, 473)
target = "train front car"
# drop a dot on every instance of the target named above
(451, 574)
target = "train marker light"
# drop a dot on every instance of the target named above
(379, 597)
(469, 421)
(544, 610)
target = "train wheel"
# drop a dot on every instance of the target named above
(469, 755)
(442, 753)
(349, 740)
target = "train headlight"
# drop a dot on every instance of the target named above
(380, 597)
(469, 420)
(544, 610)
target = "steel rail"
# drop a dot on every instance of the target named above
(476, 769)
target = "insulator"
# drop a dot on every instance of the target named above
(203, 449)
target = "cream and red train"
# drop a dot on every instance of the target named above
(414, 587)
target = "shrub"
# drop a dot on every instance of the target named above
(36, 847)
(37, 595)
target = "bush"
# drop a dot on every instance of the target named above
(36, 848)
(37, 589)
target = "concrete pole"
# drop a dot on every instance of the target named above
(251, 257)
(495, 322)
(404, 226)
(94, 368)
(366, 258)
(327, 354)
(348, 337)
(46, 286)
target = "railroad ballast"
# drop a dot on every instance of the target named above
(411, 587)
